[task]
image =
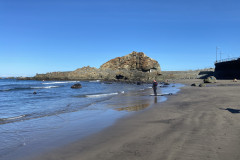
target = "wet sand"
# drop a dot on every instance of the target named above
(197, 123)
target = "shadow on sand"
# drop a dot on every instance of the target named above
(231, 110)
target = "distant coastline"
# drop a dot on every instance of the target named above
(165, 75)
(132, 68)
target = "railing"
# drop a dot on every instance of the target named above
(227, 59)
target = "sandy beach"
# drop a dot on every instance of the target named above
(195, 124)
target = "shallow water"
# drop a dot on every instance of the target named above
(57, 114)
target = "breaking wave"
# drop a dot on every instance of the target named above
(13, 89)
(11, 119)
(103, 94)
(46, 87)
(27, 88)
(60, 82)
(95, 81)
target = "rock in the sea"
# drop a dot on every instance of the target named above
(210, 79)
(76, 86)
(194, 84)
(139, 83)
(162, 86)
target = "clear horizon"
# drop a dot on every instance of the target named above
(63, 35)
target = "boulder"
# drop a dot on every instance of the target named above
(162, 86)
(139, 83)
(166, 83)
(210, 79)
(194, 84)
(202, 85)
(76, 86)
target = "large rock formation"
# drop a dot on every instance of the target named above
(135, 66)
(133, 61)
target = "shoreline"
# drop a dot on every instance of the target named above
(194, 124)
(50, 132)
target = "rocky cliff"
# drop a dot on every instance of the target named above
(135, 66)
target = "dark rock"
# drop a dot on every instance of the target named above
(210, 79)
(76, 86)
(194, 84)
(166, 83)
(163, 86)
(34, 92)
(139, 83)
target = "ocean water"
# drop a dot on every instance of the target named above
(57, 115)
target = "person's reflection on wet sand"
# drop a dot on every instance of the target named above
(155, 99)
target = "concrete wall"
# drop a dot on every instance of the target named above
(228, 69)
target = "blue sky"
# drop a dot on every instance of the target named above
(39, 36)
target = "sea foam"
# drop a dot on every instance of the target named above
(46, 87)
(60, 82)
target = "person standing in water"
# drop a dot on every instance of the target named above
(154, 86)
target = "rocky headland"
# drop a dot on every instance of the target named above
(134, 67)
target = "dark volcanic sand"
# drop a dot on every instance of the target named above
(194, 124)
